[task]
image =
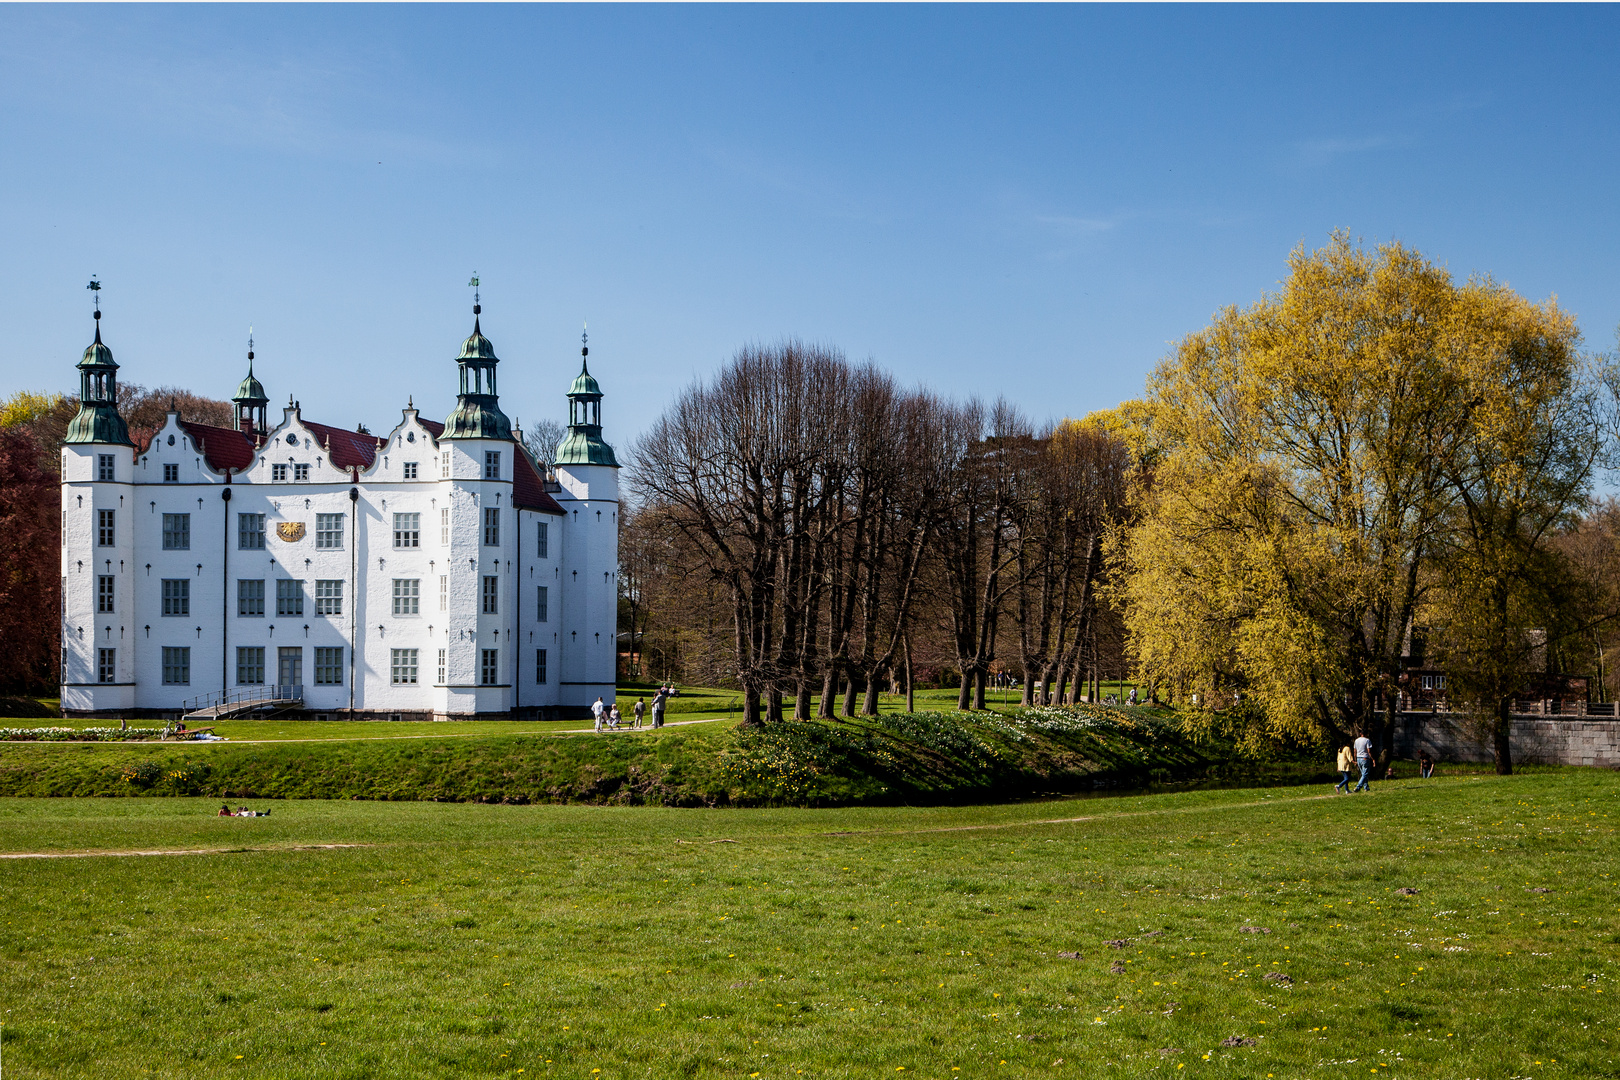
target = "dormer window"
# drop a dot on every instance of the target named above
(410, 470)
(171, 474)
(278, 474)
(301, 472)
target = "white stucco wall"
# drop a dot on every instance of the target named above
(367, 563)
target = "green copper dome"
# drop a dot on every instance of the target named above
(585, 385)
(97, 420)
(97, 355)
(478, 411)
(251, 391)
(477, 347)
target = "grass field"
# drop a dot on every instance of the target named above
(596, 943)
(906, 758)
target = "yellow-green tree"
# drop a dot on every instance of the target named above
(1306, 462)
(1505, 590)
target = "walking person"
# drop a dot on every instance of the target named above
(658, 708)
(1363, 748)
(597, 709)
(1346, 761)
(640, 709)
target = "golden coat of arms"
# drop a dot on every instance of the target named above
(290, 531)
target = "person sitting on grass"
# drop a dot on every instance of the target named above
(224, 810)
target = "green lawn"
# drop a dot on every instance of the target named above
(597, 943)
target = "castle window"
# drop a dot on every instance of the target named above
(176, 532)
(289, 597)
(250, 532)
(492, 464)
(489, 674)
(444, 527)
(492, 591)
(106, 665)
(542, 544)
(328, 596)
(492, 526)
(402, 667)
(278, 474)
(250, 665)
(541, 607)
(300, 472)
(444, 592)
(176, 596)
(441, 667)
(540, 666)
(104, 594)
(329, 530)
(106, 534)
(444, 465)
(407, 530)
(328, 665)
(250, 598)
(407, 596)
(105, 469)
(171, 473)
(176, 666)
(410, 470)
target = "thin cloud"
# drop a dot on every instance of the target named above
(1315, 153)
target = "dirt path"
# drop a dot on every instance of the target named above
(175, 851)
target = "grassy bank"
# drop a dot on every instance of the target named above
(920, 757)
(1199, 934)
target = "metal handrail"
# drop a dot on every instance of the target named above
(245, 695)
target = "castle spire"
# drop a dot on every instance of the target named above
(97, 420)
(478, 412)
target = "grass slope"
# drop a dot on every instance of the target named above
(1069, 938)
(929, 757)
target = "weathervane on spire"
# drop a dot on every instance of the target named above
(474, 285)
(585, 339)
(95, 293)
(250, 350)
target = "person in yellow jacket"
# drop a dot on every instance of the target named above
(1346, 762)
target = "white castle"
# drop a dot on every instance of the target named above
(435, 572)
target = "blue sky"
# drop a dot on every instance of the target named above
(1032, 201)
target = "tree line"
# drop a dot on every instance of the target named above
(825, 519)
(1374, 460)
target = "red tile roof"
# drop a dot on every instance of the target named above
(225, 448)
(434, 427)
(528, 490)
(349, 449)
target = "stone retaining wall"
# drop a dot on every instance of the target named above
(1536, 740)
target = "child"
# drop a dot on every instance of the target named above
(1425, 765)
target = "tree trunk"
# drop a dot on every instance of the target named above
(1503, 729)
(978, 689)
(911, 697)
(773, 705)
(869, 707)
(848, 708)
(964, 688)
(750, 706)
(801, 700)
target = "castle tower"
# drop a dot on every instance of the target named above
(587, 472)
(477, 457)
(98, 561)
(251, 401)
